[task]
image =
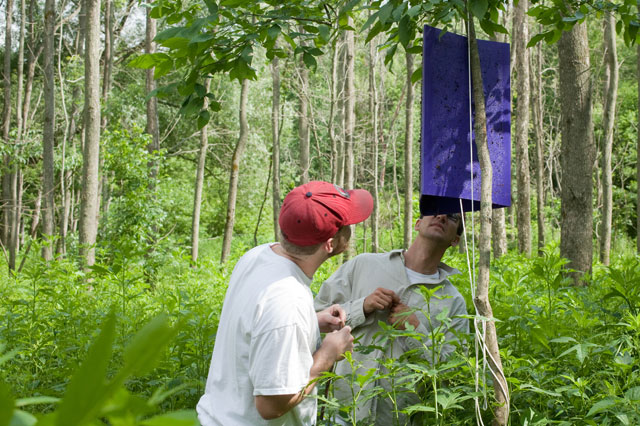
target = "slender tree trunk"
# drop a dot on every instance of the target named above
(235, 172)
(340, 118)
(501, 411)
(89, 202)
(539, 134)
(107, 56)
(521, 29)
(34, 52)
(349, 122)
(152, 127)
(332, 108)
(6, 122)
(19, 116)
(577, 151)
(373, 109)
(498, 233)
(303, 121)
(14, 219)
(408, 155)
(48, 140)
(638, 154)
(197, 198)
(35, 220)
(609, 115)
(275, 151)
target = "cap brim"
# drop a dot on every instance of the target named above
(361, 206)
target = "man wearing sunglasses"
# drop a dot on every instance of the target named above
(383, 287)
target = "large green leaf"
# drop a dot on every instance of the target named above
(6, 404)
(146, 347)
(87, 389)
(478, 7)
(177, 418)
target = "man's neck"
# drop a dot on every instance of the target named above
(308, 264)
(422, 257)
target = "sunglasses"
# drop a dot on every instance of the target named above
(454, 217)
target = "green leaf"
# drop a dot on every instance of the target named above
(633, 394)
(162, 69)
(385, 12)
(6, 404)
(535, 39)
(212, 6)
(86, 390)
(309, 60)
(405, 33)
(479, 8)
(273, 31)
(149, 60)
(37, 400)
(177, 418)
(602, 405)
(417, 75)
(200, 90)
(146, 347)
(203, 118)
(22, 418)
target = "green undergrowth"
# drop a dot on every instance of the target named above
(74, 338)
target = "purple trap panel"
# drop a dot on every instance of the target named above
(445, 160)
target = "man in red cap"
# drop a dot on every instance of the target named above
(268, 349)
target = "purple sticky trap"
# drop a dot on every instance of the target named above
(446, 159)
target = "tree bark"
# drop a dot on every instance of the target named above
(408, 155)
(373, 109)
(577, 151)
(275, 150)
(539, 135)
(89, 198)
(609, 115)
(349, 122)
(48, 134)
(638, 154)
(501, 411)
(235, 173)
(197, 198)
(303, 121)
(498, 233)
(152, 127)
(6, 122)
(332, 111)
(107, 56)
(521, 30)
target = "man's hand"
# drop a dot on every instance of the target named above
(336, 343)
(331, 319)
(399, 316)
(379, 300)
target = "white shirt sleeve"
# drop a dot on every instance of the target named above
(280, 360)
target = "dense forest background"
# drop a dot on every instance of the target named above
(146, 147)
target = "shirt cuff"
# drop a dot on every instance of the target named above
(355, 313)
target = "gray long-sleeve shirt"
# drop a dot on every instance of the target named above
(357, 279)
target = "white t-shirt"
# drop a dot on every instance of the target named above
(418, 278)
(265, 342)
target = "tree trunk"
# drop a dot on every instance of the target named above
(197, 198)
(638, 154)
(408, 155)
(373, 109)
(107, 57)
(303, 121)
(577, 151)
(498, 233)
(48, 133)
(275, 151)
(539, 135)
(235, 173)
(90, 168)
(34, 52)
(609, 115)
(6, 122)
(19, 116)
(349, 123)
(501, 411)
(521, 29)
(340, 118)
(332, 111)
(152, 128)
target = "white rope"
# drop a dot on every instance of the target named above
(480, 338)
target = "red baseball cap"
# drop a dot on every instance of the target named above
(313, 212)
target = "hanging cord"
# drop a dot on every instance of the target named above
(480, 337)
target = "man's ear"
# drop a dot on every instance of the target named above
(328, 245)
(417, 225)
(455, 241)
